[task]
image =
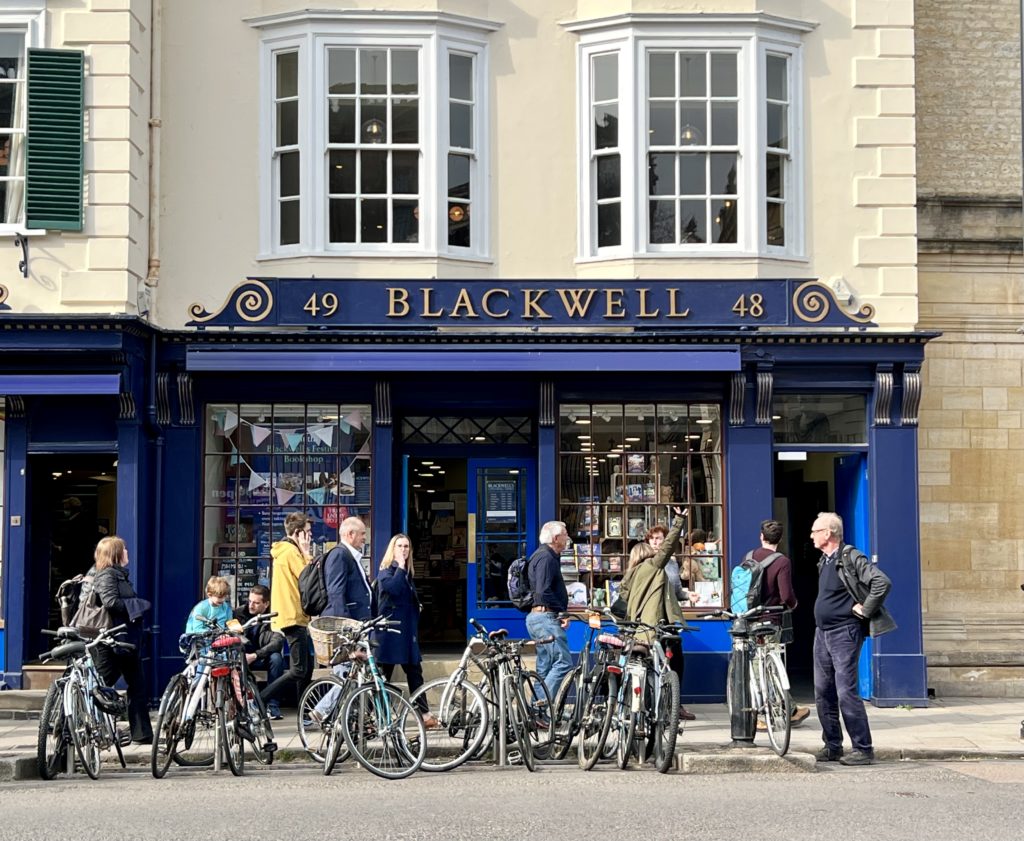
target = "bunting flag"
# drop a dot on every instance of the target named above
(230, 422)
(364, 451)
(235, 458)
(259, 434)
(346, 482)
(292, 439)
(283, 496)
(257, 480)
(324, 434)
(317, 495)
(355, 418)
(344, 426)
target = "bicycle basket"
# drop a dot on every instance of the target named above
(109, 700)
(327, 636)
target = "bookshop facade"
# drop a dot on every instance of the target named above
(736, 400)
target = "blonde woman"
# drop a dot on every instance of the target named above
(397, 599)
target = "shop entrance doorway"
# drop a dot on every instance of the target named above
(806, 484)
(72, 504)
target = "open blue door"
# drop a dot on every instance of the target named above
(501, 504)
(851, 484)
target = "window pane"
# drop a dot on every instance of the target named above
(606, 126)
(341, 71)
(662, 68)
(461, 117)
(405, 175)
(373, 117)
(692, 73)
(608, 177)
(404, 71)
(723, 174)
(341, 121)
(405, 125)
(342, 172)
(724, 131)
(723, 74)
(662, 222)
(288, 180)
(373, 227)
(8, 95)
(776, 224)
(287, 74)
(373, 71)
(373, 177)
(662, 128)
(287, 120)
(692, 175)
(289, 222)
(405, 221)
(723, 212)
(773, 176)
(343, 220)
(609, 225)
(10, 149)
(693, 223)
(778, 86)
(693, 129)
(778, 133)
(458, 225)
(460, 76)
(606, 77)
(458, 176)
(819, 419)
(661, 175)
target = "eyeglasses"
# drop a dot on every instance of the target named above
(815, 531)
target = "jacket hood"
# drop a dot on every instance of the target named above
(282, 547)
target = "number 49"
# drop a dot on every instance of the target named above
(752, 305)
(328, 304)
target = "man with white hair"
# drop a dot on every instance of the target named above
(544, 572)
(348, 588)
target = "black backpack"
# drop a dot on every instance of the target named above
(520, 593)
(69, 595)
(313, 587)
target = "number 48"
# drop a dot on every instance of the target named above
(752, 305)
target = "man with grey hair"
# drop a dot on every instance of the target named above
(544, 572)
(348, 587)
(851, 590)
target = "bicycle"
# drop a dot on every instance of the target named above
(79, 710)
(759, 646)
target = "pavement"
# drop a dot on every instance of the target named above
(950, 729)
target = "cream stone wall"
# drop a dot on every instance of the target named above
(859, 136)
(102, 268)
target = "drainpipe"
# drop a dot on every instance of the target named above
(156, 37)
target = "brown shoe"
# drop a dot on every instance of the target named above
(686, 715)
(799, 716)
(430, 721)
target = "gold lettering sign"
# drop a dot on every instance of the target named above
(575, 307)
(613, 303)
(673, 310)
(643, 306)
(531, 302)
(398, 302)
(426, 305)
(464, 302)
(485, 303)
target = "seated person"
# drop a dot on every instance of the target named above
(263, 645)
(212, 608)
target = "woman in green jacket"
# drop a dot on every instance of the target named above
(648, 594)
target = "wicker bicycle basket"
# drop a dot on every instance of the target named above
(326, 633)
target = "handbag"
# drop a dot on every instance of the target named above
(91, 616)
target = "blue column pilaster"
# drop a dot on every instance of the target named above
(15, 551)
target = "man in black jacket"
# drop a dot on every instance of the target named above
(851, 590)
(554, 661)
(264, 646)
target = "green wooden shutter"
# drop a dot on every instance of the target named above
(53, 175)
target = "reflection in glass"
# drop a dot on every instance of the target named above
(662, 222)
(692, 220)
(341, 71)
(606, 126)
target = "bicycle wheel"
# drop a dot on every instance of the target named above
(463, 721)
(259, 723)
(626, 721)
(565, 720)
(316, 716)
(666, 722)
(83, 732)
(168, 726)
(386, 736)
(539, 724)
(52, 744)
(596, 718)
(228, 721)
(197, 739)
(778, 709)
(518, 719)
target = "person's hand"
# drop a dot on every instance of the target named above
(304, 539)
(564, 623)
(858, 610)
(679, 512)
(400, 561)
(250, 658)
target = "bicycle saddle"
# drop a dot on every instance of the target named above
(611, 640)
(226, 642)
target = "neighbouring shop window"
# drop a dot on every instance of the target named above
(12, 126)
(263, 461)
(621, 469)
(453, 429)
(820, 419)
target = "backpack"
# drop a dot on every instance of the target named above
(69, 596)
(520, 592)
(313, 587)
(746, 583)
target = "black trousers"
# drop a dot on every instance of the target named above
(413, 674)
(300, 665)
(127, 664)
(675, 662)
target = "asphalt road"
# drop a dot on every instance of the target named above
(907, 801)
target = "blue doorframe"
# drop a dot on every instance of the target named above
(851, 490)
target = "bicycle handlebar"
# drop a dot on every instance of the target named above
(760, 610)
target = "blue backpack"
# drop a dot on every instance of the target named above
(746, 584)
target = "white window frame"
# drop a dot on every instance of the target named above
(752, 37)
(27, 17)
(434, 35)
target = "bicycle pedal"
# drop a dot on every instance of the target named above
(270, 747)
(124, 738)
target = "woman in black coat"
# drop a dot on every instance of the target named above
(117, 595)
(397, 599)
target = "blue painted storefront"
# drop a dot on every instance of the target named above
(154, 423)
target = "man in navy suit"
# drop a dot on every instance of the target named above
(348, 588)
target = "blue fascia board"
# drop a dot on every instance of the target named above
(34, 384)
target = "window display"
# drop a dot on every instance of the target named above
(621, 469)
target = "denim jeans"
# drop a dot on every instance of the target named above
(554, 661)
(836, 653)
(273, 665)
